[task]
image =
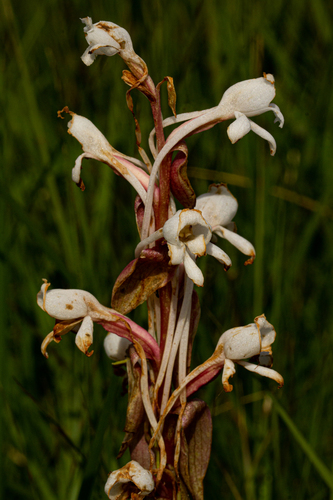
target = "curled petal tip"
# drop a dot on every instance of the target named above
(48, 339)
(250, 261)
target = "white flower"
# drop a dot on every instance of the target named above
(240, 101)
(104, 38)
(116, 347)
(70, 308)
(251, 98)
(97, 147)
(188, 236)
(132, 478)
(218, 208)
(245, 342)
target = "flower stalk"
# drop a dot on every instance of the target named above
(164, 424)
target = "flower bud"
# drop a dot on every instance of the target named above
(116, 347)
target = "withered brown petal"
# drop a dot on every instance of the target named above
(172, 97)
(140, 279)
(131, 80)
(180, 185)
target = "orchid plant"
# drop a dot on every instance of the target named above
(163, 422)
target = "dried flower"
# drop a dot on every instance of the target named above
(106, 38)
(132, 478)
(70, 308)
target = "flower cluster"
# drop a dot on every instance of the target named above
(163, 273)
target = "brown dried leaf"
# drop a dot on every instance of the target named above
(131, 80)
(140, 279)
(172, 97)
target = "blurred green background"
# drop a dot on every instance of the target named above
(62, 418)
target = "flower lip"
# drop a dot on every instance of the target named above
(185, 227)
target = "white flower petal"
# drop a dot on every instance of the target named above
(91, 139)
(263, 371)
(278, 115)
(87, 57)
(238, 241)
(267, 331)
(115, 346)
(229, 370)
(192, 270)
(240, 127)
(197, 246)
(171, 229)
(218, 206)
(76, 170)
(66, 304)
(176, 254)
(250, 95)
(132, 472)
(219, 254)
(265, 135)
(84, 337)
(103, 50)
(241, 342)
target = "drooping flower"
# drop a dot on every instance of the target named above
(251, 98)
(218, 208)
(106, 38)
(70, 308)
(132, 478)
(97, 147)
(77, 310)
(245, 342)
(188, 236)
